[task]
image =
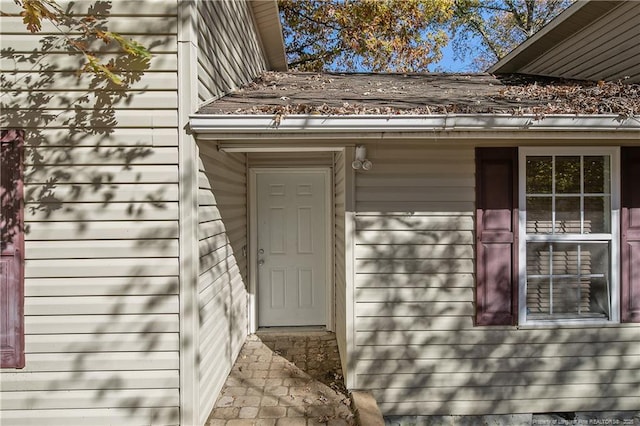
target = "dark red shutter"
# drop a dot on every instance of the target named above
(12, 251)
(496, 236)
(630, 227)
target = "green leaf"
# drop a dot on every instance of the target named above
(131, 47)
(94, 65)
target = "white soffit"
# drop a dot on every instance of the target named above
(267, 19)
(227, 127)
(521, 49)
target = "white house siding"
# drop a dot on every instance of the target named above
(606, 49)
(229, 56)
(101, 216)
(230, 53)
(416, 346)
(290, 159)
(339, 252)
(222, 212)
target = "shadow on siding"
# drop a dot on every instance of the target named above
(101, 228)
(417, 347)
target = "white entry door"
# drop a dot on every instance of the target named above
(292, 247)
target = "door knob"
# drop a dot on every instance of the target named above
(261, 251)
(260, 262)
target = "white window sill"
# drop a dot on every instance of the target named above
(530, 325)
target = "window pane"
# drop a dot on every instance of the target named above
(575, 284)
(597, 215)
(567, 175)
(594, 259)
(565, 259)
(596, 175)
(538, 297)
(539, 172)
(539, 215)
(567, 215)
(569, 297)
(538, 259)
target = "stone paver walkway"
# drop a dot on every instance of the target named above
(285, 378)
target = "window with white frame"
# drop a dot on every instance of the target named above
(569, 206)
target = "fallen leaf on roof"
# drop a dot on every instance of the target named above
(419, 94)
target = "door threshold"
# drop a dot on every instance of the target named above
(305, 329)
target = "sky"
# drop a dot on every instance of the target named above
(449, 63)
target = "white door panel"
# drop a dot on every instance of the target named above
(292, 232)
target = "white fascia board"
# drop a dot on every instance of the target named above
(220, 127)
(278, 148)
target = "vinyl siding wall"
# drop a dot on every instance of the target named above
(222, 235)
(290, 159)
(416, 346)
(231, 53)
(229, 56)
(339, 251)
(605, 50)
(101, 273)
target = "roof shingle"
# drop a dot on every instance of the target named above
(367, 93)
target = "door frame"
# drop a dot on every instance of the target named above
(253, 240)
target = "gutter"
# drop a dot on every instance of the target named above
(221, 126)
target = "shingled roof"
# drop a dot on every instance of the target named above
(367, 93)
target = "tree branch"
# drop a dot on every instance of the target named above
(516, 14)
(315, 21)
(316, 57)
(485, 37)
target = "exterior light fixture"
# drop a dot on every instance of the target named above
(361, 161)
